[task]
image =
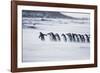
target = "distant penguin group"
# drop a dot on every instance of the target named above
(72, 37)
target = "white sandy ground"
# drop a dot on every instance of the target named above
(35, 50)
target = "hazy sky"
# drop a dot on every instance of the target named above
(78, 15)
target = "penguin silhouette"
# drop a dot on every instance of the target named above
(87, 37)
(75, 37)
(64, 37)
(70, 36)
(52, 36)
(82, 38)
(42, 36)
(58, 37)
